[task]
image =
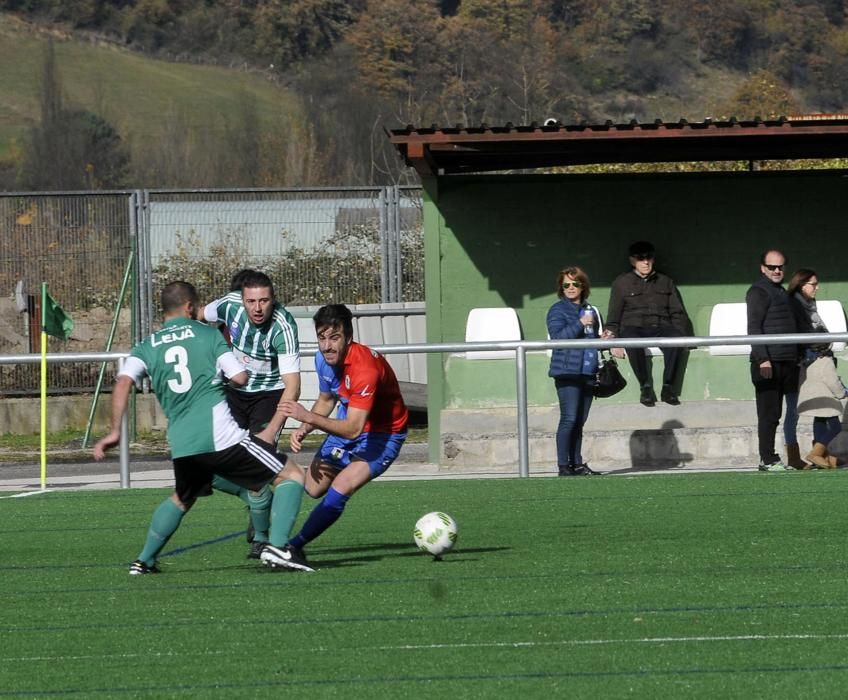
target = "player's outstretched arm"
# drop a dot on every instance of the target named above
(120, 399)
(349, 427)
(325, 403)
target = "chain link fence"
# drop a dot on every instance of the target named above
(345, 245)
(79, 244)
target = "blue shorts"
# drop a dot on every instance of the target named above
(378, 449)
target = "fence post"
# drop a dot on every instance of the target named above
(124, 445)
(145, 276)
(384, 245)
(521, 401)
(397, 263)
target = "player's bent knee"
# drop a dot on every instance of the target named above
(260, 499)
(291, 472)
(314, 490)
(183, 505)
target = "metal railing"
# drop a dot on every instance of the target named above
(519, 347)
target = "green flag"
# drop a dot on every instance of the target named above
(54, 320)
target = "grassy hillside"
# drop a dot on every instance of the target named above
(134, 93)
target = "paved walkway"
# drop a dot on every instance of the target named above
(147, 472)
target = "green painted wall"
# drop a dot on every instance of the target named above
(501, 240)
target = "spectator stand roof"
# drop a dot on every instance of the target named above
(445, 151)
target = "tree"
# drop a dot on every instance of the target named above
(70, 148)
(763, 95)
(289, 31)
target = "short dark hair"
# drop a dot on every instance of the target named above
(248, 279)
(578, 275)
(334, 316)
(641, 248)
(237, 280)
(772, 250)
(175, 294)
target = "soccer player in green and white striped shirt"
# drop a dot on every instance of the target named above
(264, 338)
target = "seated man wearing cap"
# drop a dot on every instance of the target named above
(645, 303)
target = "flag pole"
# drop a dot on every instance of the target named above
(43, 388)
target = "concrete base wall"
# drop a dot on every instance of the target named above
(23, 415)
(705, 433)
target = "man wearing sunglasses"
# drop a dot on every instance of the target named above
(774, 368)
(645, 303)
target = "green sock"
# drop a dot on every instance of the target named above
(227, 486)
(284, 510)
(260, 513)
(166, 520)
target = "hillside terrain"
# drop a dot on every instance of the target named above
(144, 98)
(190, 93)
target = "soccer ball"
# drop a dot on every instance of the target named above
(435, 533)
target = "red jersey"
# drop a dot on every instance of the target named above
(366, 381)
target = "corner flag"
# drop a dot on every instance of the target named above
(54, 320)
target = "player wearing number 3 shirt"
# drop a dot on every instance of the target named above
(185, 360)
(363, 439)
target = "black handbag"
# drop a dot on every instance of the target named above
(608, 379)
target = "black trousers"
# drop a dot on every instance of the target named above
(769, 394)
(638, 360)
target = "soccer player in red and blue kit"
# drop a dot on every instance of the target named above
(363, 439)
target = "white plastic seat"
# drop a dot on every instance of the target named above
(833, 315)
(492, 325)
(732, 319)
(729, 319)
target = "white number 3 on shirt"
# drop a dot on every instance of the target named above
(178, 357)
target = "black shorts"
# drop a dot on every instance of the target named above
(253, 411)
(251, 463)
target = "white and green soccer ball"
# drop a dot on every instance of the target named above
(435, 533)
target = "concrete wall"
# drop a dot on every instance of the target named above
(23, 416)
(617, 436)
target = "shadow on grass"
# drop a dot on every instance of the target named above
(357, 558)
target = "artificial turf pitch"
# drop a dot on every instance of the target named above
(710, 585)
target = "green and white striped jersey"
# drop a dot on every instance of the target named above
(266, 352)
(184, 360)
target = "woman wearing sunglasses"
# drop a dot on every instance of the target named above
(573, 370)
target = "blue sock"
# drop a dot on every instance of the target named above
(166, 520)
(322, 516)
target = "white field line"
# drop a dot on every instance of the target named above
(467, 645)
(27, 493)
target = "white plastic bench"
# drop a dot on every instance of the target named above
(370, 330)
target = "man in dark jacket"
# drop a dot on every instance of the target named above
(645, 303)
(774, 368)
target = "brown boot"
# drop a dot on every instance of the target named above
(818, 456)
(793, 457)
(832, 461)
